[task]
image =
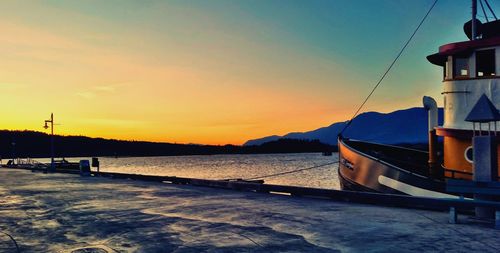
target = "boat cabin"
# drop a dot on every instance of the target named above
(471, 91)
(470, 69)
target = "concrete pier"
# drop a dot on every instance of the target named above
(68, 213)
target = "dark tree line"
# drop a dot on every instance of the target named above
(37, 144)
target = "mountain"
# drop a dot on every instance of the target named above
(403, 126)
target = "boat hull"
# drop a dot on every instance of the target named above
(360, 170)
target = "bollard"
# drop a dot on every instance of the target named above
(497, 219)
(452, 216)
(95, 163)
(84, 168)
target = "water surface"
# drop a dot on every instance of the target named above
(232, 166)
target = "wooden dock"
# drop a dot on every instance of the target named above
(451, 204)
(61, 212)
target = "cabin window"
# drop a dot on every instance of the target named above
(485, 63)
(446, 70)
(469, 154)
(461, 67)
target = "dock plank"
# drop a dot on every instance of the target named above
(63, 212)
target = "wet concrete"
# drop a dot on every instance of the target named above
(68, 213)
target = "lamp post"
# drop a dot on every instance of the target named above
(13, 143)
(51, 121)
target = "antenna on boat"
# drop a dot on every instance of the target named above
(474, 13)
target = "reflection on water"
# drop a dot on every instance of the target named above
(232, 166)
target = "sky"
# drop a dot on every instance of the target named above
(214, 72)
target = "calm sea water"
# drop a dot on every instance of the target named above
(232, 166)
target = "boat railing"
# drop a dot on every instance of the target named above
(420, 169)
(404, 160)
(417, 164)
(28, 161)
(455, 174)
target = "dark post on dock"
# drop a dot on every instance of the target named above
(95, 163)
(485, 168)
(484, 149)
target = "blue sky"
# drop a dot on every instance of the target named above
(215, 71)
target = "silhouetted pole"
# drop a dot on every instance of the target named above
(51, 121)
(13, 143)
(474, 25)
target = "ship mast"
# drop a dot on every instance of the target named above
(474, 12)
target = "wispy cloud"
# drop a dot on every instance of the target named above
(99, 90)
(86, 94)
(114, 122)
(105, 88)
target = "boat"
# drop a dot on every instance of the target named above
(471, 79)
(63, 164)
(28, 163)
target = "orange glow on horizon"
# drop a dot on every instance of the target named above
(156, 75)
(101, 93)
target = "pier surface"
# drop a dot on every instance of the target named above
(69, 213)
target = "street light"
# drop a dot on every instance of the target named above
(51, 121)
(13, 143)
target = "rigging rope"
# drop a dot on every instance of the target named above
(292, 171)
(389, 68)
(361, 106)
(489, 7)
(484, 11)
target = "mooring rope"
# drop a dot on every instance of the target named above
(248, 238)
(389, 68)
(362, 104)
(291, 171)
(12, 239)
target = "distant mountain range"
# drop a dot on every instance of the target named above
(36, 144)
(399, 127)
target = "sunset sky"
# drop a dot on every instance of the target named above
(213, 72)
